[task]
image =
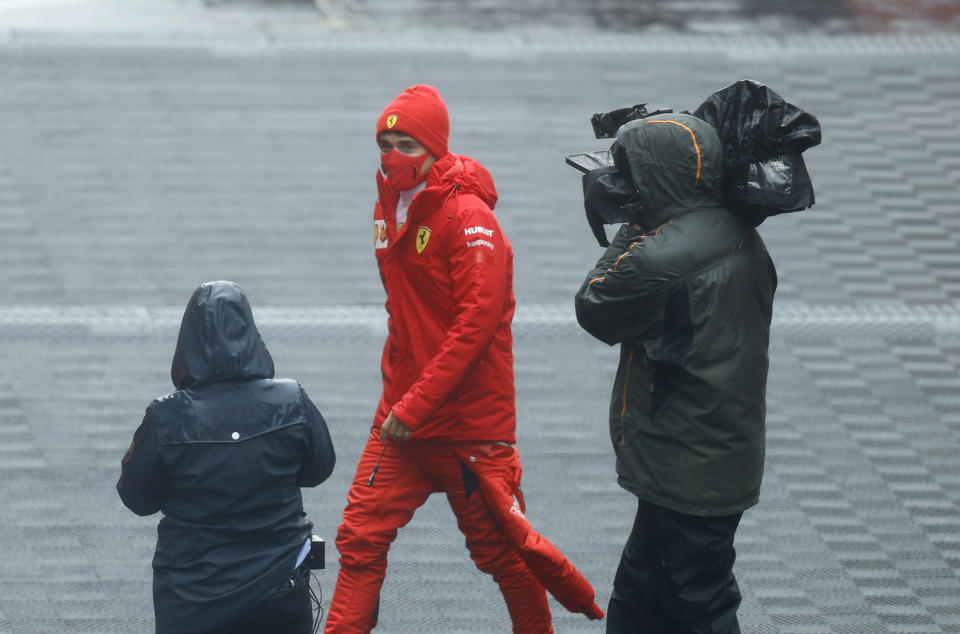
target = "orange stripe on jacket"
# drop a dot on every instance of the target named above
(696, 145)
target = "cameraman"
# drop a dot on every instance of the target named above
(224, 458)
(686, 288)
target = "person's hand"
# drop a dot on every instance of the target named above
(392, 428)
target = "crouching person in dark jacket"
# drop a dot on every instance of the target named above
(224, 458)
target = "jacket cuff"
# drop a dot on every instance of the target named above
(405, 416)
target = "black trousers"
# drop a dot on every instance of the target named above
(676, 575)
(286, 611)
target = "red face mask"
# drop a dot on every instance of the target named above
(403, 172)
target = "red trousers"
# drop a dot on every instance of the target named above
(482, 484)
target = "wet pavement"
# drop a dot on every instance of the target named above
(159, 145)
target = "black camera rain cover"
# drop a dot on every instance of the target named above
(606, 195)
(763, 139)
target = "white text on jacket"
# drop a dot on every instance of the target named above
(480, 243)
(469, 231)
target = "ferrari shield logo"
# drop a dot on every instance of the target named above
(391, 121)
(423, 237)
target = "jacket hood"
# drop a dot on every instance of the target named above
(219, 340)
(466, 175)
(676, 163)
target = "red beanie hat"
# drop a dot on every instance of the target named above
(419, 112)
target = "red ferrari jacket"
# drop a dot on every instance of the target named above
(448, 273)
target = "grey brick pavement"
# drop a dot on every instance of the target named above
(132, 171)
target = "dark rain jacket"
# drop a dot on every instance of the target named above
(224, 458)
(689, 298)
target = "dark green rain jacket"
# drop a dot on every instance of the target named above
(689, 298)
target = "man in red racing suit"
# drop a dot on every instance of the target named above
(446, 419)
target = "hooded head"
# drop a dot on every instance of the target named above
(675, 163)
(419, 112)
(219, 340)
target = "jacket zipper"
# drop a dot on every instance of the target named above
(626, 384)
